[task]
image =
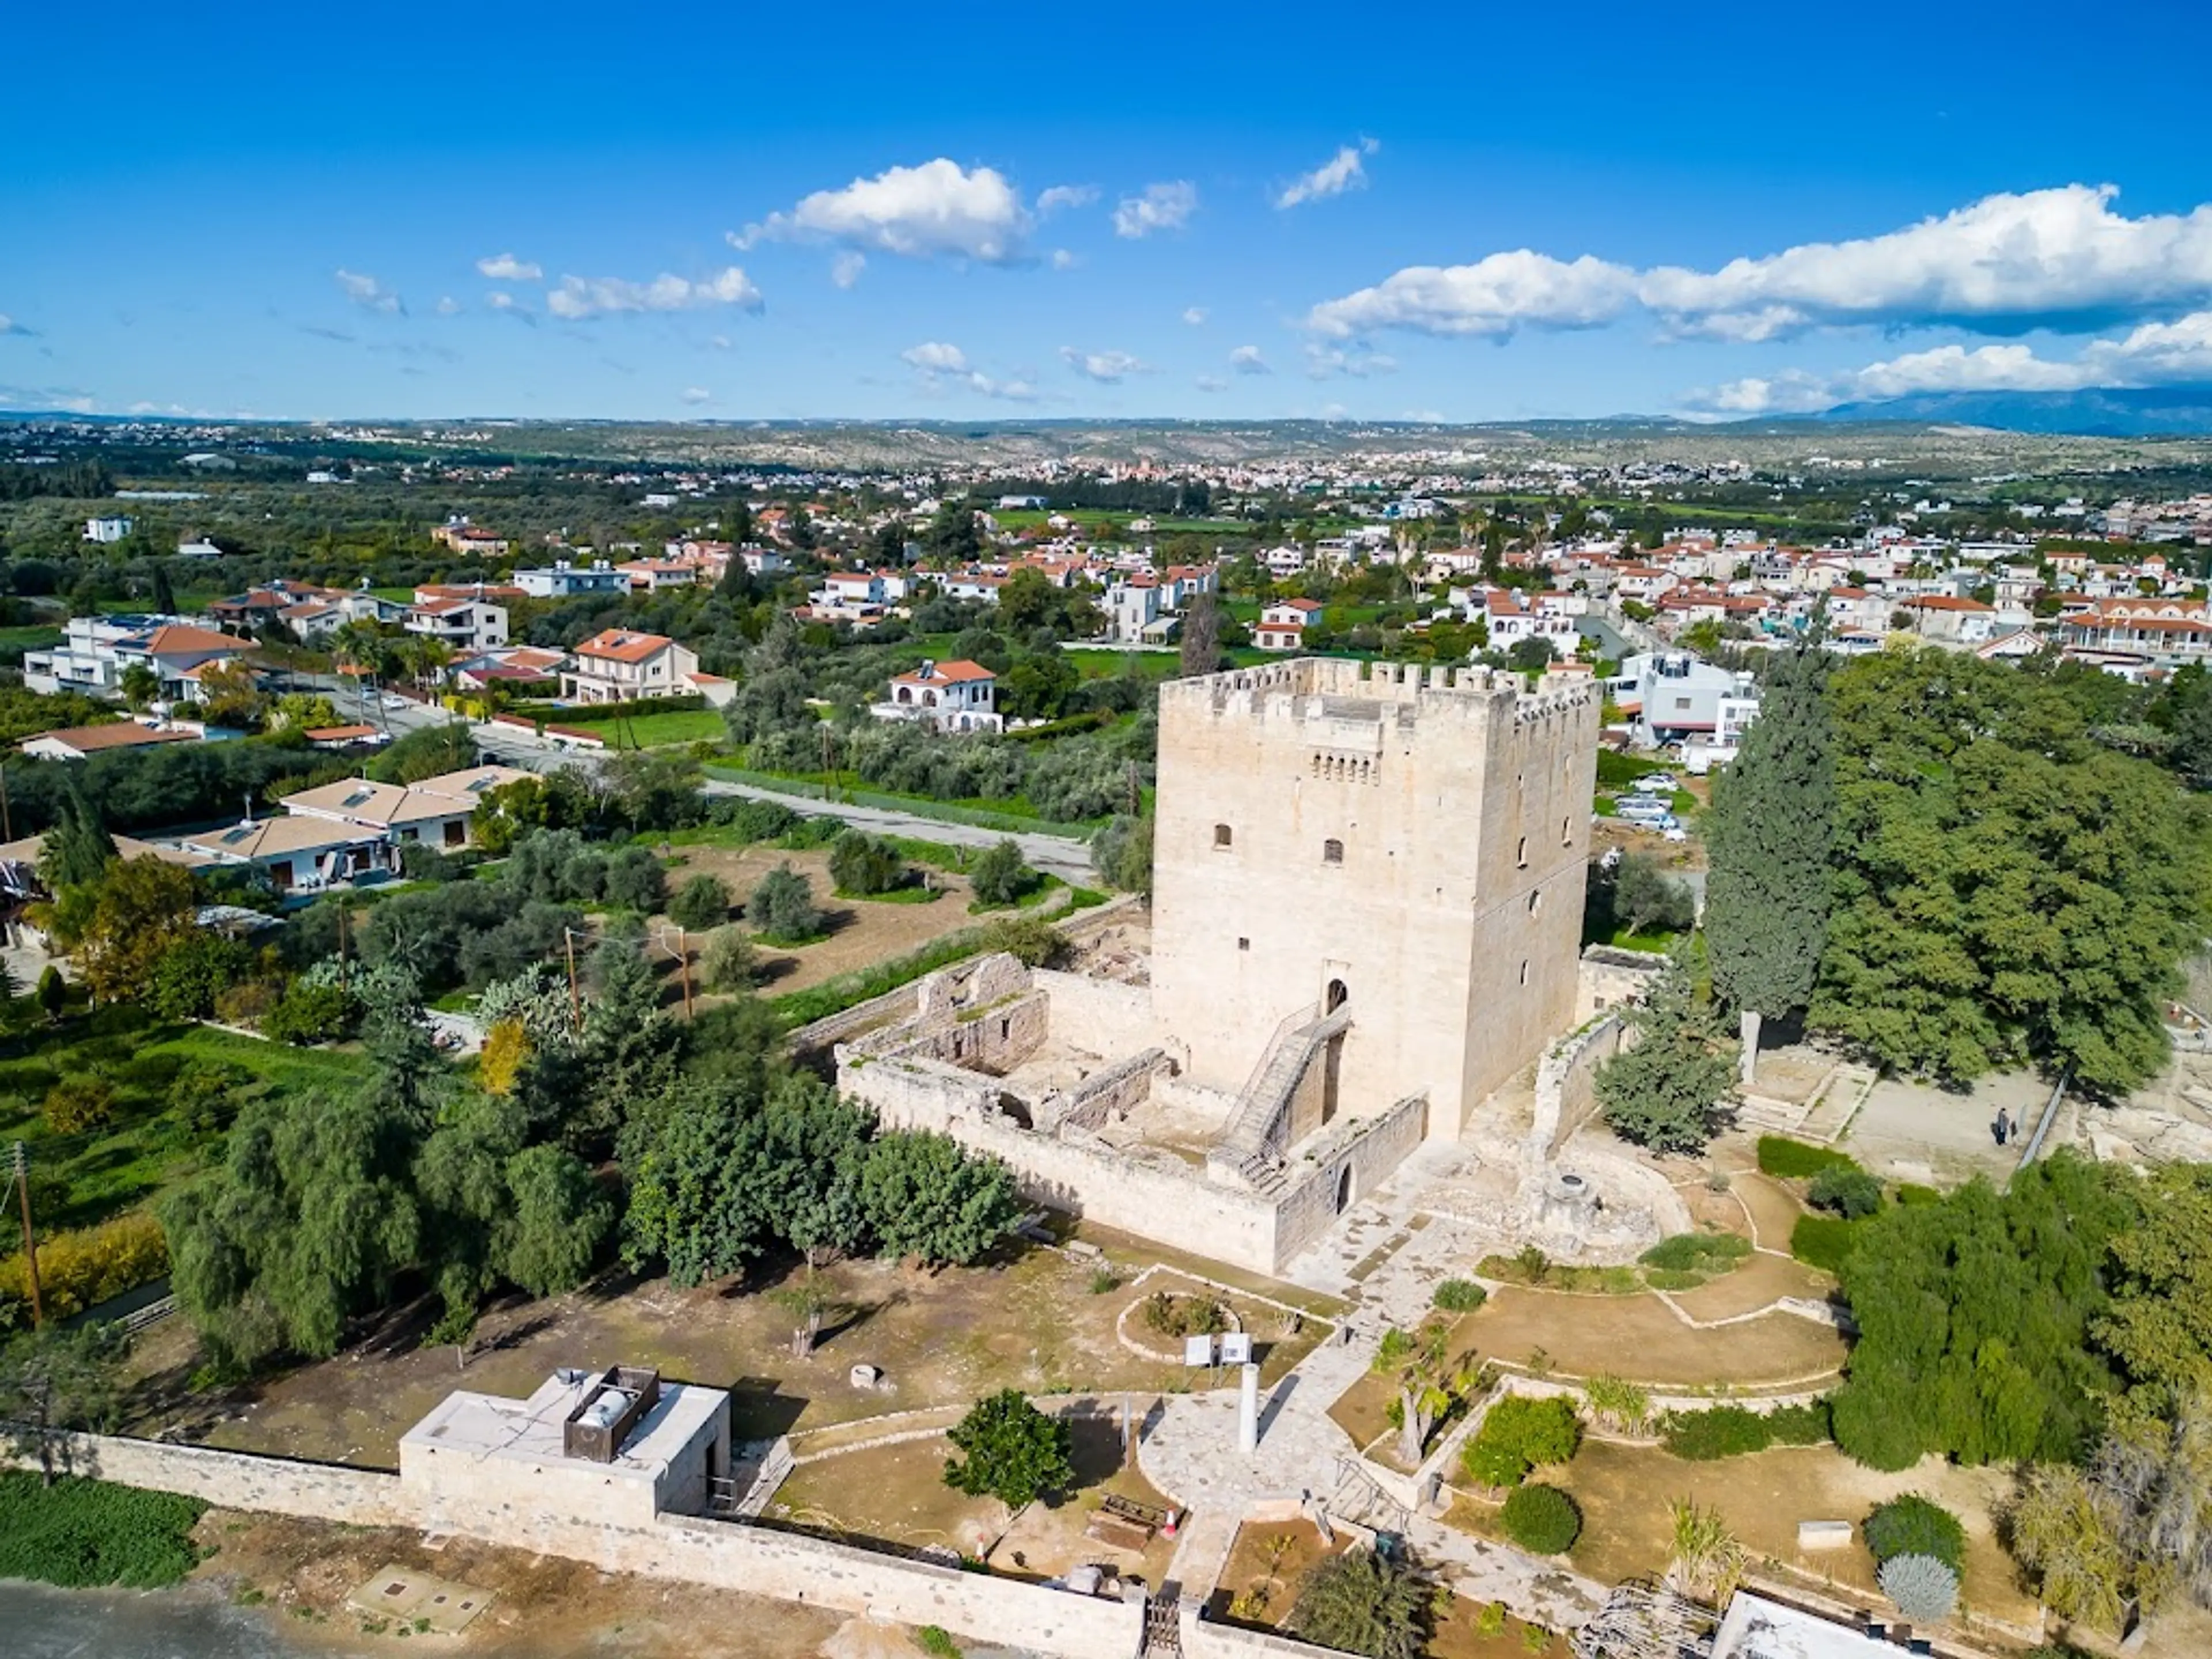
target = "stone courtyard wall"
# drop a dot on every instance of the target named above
(1566, 1083)
(758, 1561)
(1374, 1146)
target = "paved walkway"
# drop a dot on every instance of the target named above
(1190, 1451)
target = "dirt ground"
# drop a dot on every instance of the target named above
(302, 1571)
(899, 1493)
(1598, 1335)
(863, 932)
(1275, 1557)
(1624, 1492)
(941, 1338)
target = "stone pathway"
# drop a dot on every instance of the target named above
(1190, 1451)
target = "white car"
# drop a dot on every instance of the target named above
(391, 701)
(1674, 832)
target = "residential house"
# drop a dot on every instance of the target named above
(465, 538)
(1671, 695)
(340, 831)
(95, 650)
(521, 669)
(461, 625)
(70, 743)
(651, 576)
(2153, 630)
(563, 580)
(1282, 625)
(108, 529)
(1132, 608)
(619, 665)
(952, 696)
(1944, 620)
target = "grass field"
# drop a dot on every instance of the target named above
(145, 1147)
(30, 637)
(78, 1532)
(657, 731)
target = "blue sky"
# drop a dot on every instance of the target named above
(1461, 212)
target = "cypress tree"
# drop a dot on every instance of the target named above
(1773, 824)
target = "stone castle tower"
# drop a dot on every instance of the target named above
(1385, 859)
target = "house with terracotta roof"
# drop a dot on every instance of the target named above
(952, 696)
(651, 576)
(618, 665)
(2146, 631)
(1945, 619)
(95, 650)
(70, 743)
(1282, 625)
(473, 540)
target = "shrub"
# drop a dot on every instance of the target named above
(1794, 1160)
(729, 961)
(309, 1013)
(933, 1640)
(1460, 1295)
(1910, 1192)
(81, 1269)
(1923, 1588)
(78, 1104)
(1489, 1464)
(1849, 1192)
(1705, 1253)
(861, 864)
(1824, 1241)
(1542, 1519)
(635, 881)
(782, 908)
(1809, 1424)
(1184, 1315)
(193, 972)
(1032, 939)
(701, 903)
(1723, 1431)
(77, 1532)
(1000, 876)
(1913, 1525)
(1491, 1621)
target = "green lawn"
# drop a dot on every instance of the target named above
(145, 1147)
(32, 636)
(656, 731)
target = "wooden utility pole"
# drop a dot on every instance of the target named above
(30, 1245)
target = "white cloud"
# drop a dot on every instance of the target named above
(1346, 170)
(845, 269)
(1195, 315)
(1108, 367)
(2178, 353)
(697, 394)
(369, 293)
(944, 367)
(9, 325)
(935, 357)
(449, 305)
(720, 341)
(506, 267)
(1326, 362)
(937, 209)
(500, 300)
(1049, 202)
(1247, 360)
(1062, 259)
(1494, 296)
(1162, 207)
(1211, 383)
(589, 296)
(2059, 259)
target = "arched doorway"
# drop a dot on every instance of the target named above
(1334, 999)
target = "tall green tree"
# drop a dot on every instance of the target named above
(1010, 1451)
(928, 1201)
(1670, 1090)
(1363, 1603)
(1772, 827)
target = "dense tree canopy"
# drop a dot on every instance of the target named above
(2006, 888)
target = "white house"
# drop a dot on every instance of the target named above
(1282, 625)
(461, 625)
(952, 696)
(108, 529)
(564, 581)
(619, 665)
(1673, 695)
(1132, 607)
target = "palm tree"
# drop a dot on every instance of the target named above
(140, 685)
(1428, 1381)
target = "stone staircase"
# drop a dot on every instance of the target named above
(1257, 1129)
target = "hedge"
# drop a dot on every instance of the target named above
(1823, 1241)
(78, 1532)
(1796, 1160)
(1704, 1252)
(1737, 1431)
(82, 1268)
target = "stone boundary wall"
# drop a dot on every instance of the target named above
(1202, 1639)
(1566, 1083)
(234, 1480)
(1109, 1089)
(895, 1005)
(756, 1561)
(1372, 1149)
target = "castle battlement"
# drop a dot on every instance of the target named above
(1338, 689)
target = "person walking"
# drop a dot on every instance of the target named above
(2002, 1127)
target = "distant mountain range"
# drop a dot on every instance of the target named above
(2111, 412)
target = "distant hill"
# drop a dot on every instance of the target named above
(2111, 412)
